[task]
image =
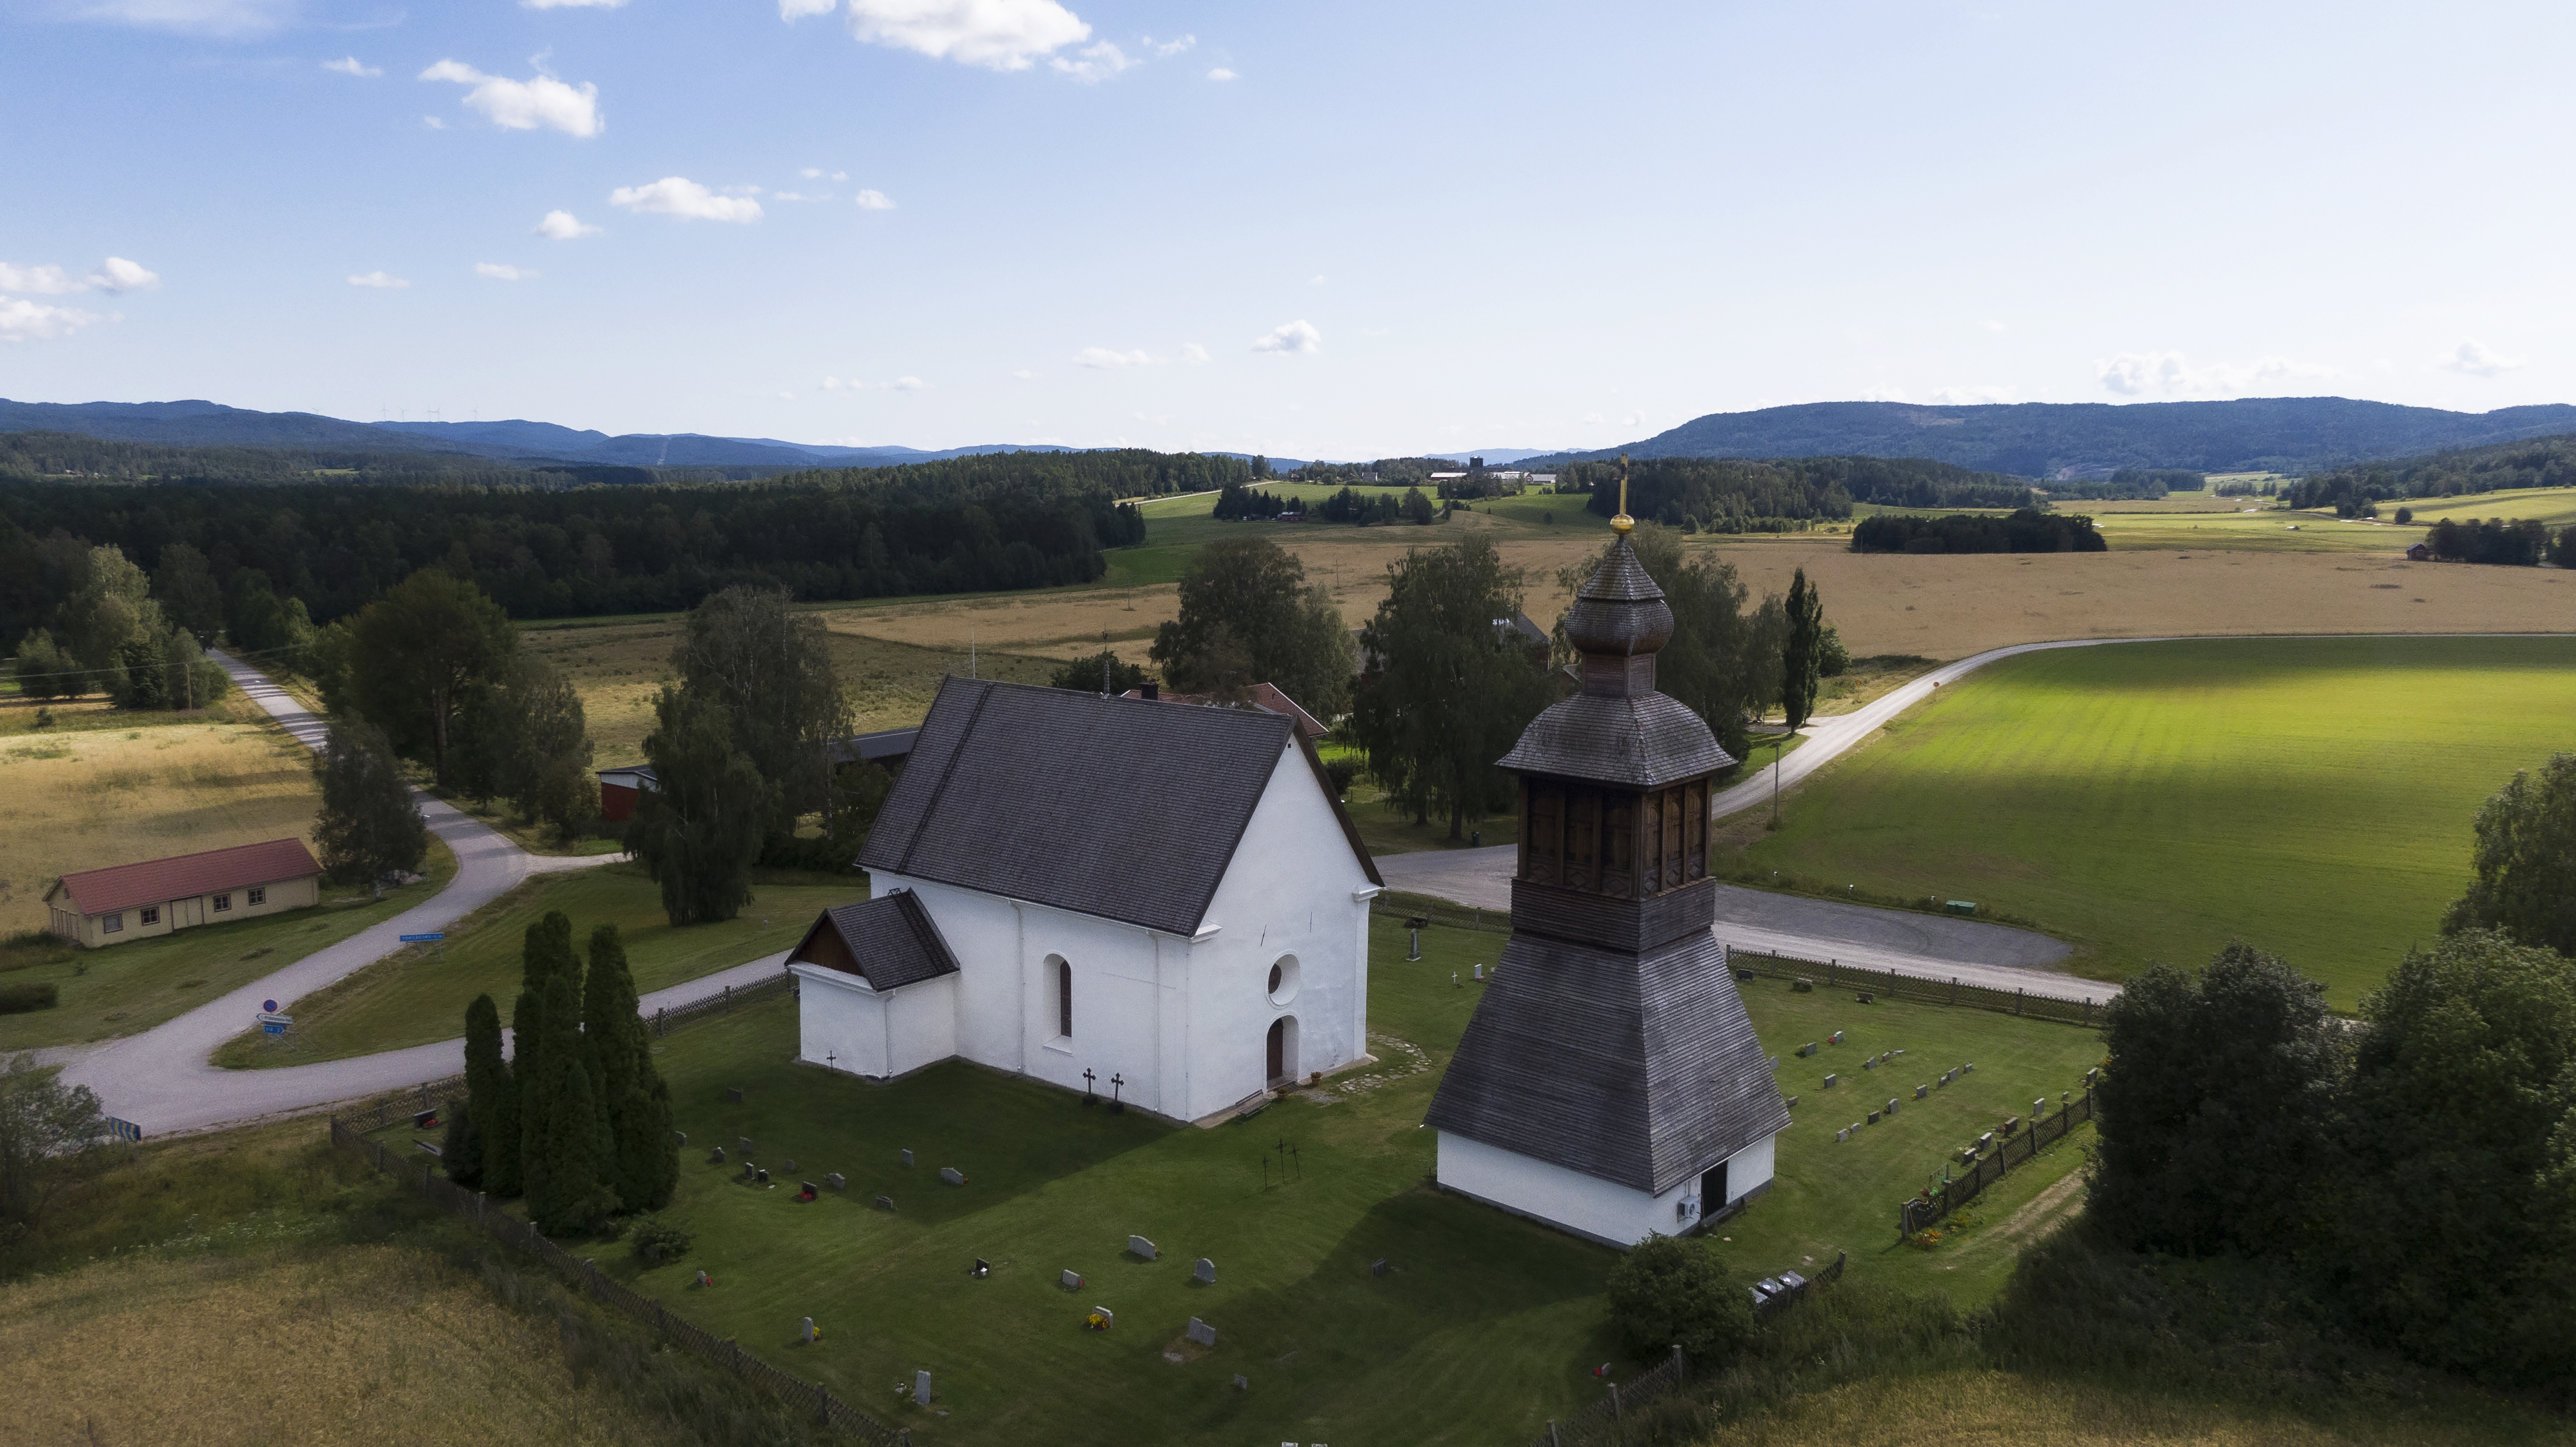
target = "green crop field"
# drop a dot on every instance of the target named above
(1486, 1325)
(2149, 801)
(419, 996)
(2555, 506)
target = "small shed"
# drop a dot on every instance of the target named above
(2420, 553)
(97, 907)
(619, 788)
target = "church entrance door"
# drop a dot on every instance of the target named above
(1278, 1051)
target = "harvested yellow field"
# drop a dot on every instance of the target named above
(1952, 606)
(2005, 1409)
(361, 1345)
(99, 796)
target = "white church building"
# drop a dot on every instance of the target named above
(1162, 903)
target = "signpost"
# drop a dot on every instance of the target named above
(273, 1023)
(427, 939)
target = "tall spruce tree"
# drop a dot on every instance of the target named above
(1802, 660)
(638, 1107)
(491, 1101)
(461, 1153)
(564, 1149)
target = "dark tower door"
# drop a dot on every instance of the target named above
(1278, 1051)
(1712, 1189)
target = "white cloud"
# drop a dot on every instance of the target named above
(351, 65)
(379, 280)
(35, 321)
(1096, 63)
(525, 105)
(1221, 73)
(2475, 359)
(1103, 358)
(873, 200)
(1297, 337)
(786, 396)
(840, 175)
(1974, 396)
(1883, 394)
(799, 9)
(679, 196)
(812, 173)
(1194, 354)
(2135, 374)
(1025, 375)
(205, 17)
(564, 226)
(999, 34)
(899, 384)
(498, 271)
(116, 274)
(907, 384)
(1170, 48)
(434, 123)
(1316, 280)
(797, 196)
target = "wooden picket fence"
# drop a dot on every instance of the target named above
(721, 1002)
(1608, 1418)
(2019, 1148)
(1833, 975)
(725, 1352)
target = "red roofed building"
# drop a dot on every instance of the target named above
(1263, 696)
(109, 906)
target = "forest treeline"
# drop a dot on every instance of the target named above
(1349, 505)
(2026, 530)
(2129, 484)
(1728, 494)
(998, 522)
(2350, 491)
(30, 456)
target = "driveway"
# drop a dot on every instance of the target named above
(161, 1080)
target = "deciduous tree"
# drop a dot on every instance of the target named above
(1249, 616)
(769, 672)
(700, 829)
(1723, 662)
(1673, 1291)
(1802, 654)
(2525, 861)
(369, 827)
(49, 1133)
(417, 653)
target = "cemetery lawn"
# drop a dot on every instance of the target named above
(1486, 1327)
(2151, 801)
(128, 988)
(418, 995)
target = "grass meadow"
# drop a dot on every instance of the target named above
(418, 997)
(2313, 796)
(1486, 1326)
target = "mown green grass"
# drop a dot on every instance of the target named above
(2151, 801)
(127, 988)
(418, 996)
(1486, 1327)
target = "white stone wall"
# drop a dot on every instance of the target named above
(846, 1025)
(1588, 1206)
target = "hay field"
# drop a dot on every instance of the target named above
(82, 799)
(2311, 796)
(359, 1345)
(2008, 1409)
(2555, 506)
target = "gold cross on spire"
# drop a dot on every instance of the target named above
(1623, 523)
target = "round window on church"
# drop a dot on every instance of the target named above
(1283, 980)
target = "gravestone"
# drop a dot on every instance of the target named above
(705, 1280)
(1841, 1135)
(837, 1181)
(2039, 1107)
(921, 1389)
(1139, 1246)
(981, 1269)
(1101, 1319)
(1379, 1267)
(2011, 1123)
(2088, 1075)
(1793, 1102)
(885, 1203)
(1802, 985)
(1829, 1082)
(1202, 1333)
(1891, 1105)
(1986, 1140)
(764, 1178)
(734, 1093)
(1895, 1052)
(1868, 999)
(791, 1163)
(952, 1175)
(907, 1158)
(679, 1137)
(744, 1142)
(1071, 1280)
(807, 1190)
(805, 1333)
(1968, 1069)
(1242, 1383)
(1835, 1038)
(1807, 1049)
(1967, 1155)
(749, 1170)
(1775, 1062)
(1949, 1075)
(1873, 1117)
(716, 1156)
(1922, 1091)
(1204, 1271)
(1870, 1064)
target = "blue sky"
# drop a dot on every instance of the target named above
(1318, 229)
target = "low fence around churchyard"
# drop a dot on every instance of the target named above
(1834, 975)
(2016, 1147)
(724, 1352)
(1609, 1416)
(716, 1004)
(1405, 907)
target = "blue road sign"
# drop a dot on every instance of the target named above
(272, 1028)
(424, 939)
(268, 1005)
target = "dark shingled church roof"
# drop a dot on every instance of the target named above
(888, 941)
(1116, 807)
(1640, 1072)
(1647, 742)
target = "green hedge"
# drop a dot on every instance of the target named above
(20, 998)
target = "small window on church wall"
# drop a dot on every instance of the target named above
(1064, 998)
(1283, 980)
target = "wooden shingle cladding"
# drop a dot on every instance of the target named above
(1613, 842)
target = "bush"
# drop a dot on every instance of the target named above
(655, 1239)
(1673, 1291)
(21, 998)
(1341, 772)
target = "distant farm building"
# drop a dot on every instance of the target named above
(2420, 553)
(620, 788)
(109, 906)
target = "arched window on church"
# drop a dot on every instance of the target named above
(1063, 997)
